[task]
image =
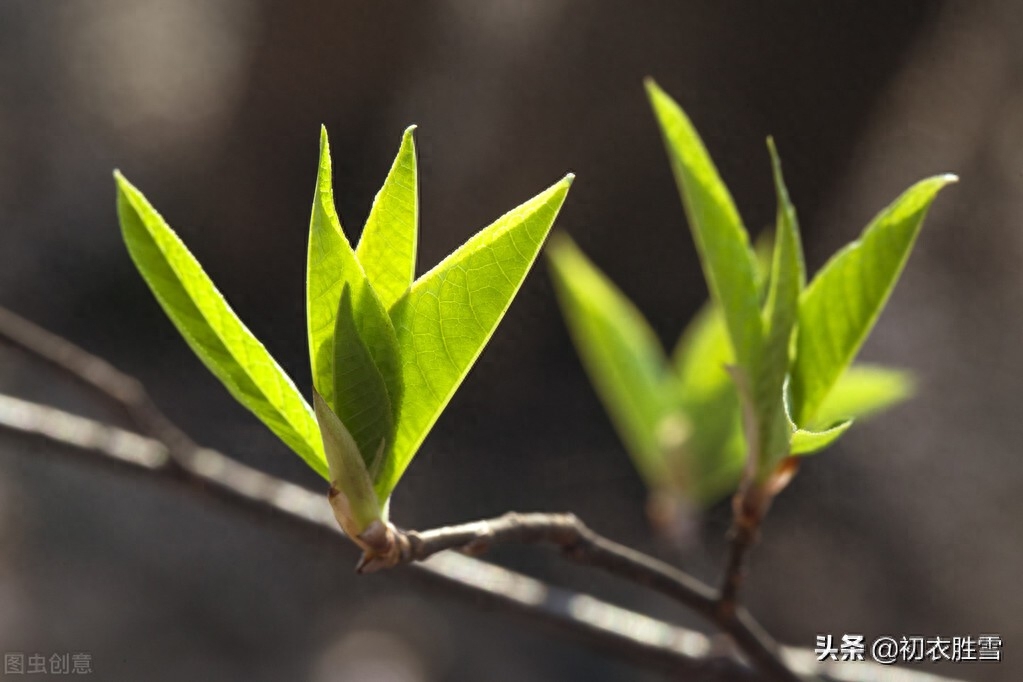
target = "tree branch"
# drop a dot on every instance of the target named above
(583, 545)
(172, 456)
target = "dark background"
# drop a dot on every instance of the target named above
(908, 526)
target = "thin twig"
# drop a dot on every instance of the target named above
(584, 546)
(742, 536)
(575, 540)
(94, 372)
(741, 540)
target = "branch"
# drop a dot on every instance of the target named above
(94, 372)
(749, 508)
(173, 458)
(583, 545)
(749, 505)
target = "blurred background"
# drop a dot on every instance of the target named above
(212, 107)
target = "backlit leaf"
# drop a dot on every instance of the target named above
(842, 303)
(621, 354)
(211, 328)
(332, 265)
(449, 314)
(387, 248)
(728, 261)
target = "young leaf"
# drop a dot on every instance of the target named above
(363, 404)
(841, 305)
(702, 353)
(387, 248)
(763, 254)
(719, 469)
(332, 265)
(787, 279)
(351, 494)
(449, 314)
(211, 328)
(620, 352)
(805, 442)
(728, 260)
(863, 390)
(709, 398)
(710, 401)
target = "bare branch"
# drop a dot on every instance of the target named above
(94, 372)
(748, 509)
(583, 545)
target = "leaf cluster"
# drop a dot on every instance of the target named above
(387, 350)
(765, 370)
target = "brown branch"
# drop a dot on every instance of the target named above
(583, 545)
(94, 372)
(172, 456)
(743, 534)
(749, 508)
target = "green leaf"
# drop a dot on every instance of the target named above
(805, 442)
(363, 404)
(787, 279)
(449, 314)
(841, 305)
(212, 329)
(352, 498)
(763, 253)
(332, 266)
(702, 353)
(387, 248)
(720, 469)
(863, 390)
(710, 401)
(620, 352)
(728, 261)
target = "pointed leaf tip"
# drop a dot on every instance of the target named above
(721, 239)
(840, 307)
(387, 248)
(332, 264)
(569, 179)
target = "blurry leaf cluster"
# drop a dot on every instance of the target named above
(764, 372)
